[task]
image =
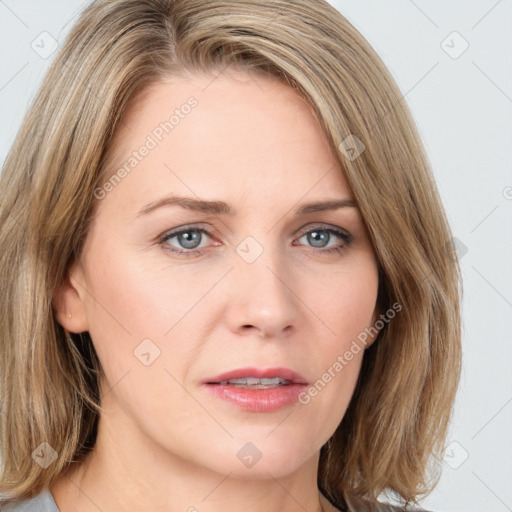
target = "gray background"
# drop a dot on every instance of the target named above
(462, 103)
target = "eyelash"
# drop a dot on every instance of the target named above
(163, 239)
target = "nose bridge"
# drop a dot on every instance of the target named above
(262, 296)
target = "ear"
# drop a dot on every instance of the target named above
(68, 301)
(376, 316)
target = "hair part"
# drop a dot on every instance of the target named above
(398, 417)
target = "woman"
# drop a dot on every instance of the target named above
(228, 276)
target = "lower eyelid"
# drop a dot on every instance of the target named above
(164, 239)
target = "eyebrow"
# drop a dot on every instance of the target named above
(222, 208)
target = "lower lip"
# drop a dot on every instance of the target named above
(258, 400)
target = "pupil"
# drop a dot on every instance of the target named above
(318, 236)
(189, 239)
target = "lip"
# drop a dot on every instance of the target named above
(258, 400)
(260, 373)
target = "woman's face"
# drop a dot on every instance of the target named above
(265, 286)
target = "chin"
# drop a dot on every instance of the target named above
(255, 457)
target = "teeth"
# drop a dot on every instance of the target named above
(255, 383)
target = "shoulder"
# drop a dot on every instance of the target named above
(42, 502)
(365, 505)
(360, 504)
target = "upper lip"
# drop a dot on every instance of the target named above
(260, 373)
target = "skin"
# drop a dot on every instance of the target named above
(165, 444)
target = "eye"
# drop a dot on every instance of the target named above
(321, 236)
(188, 240)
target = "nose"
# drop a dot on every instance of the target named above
(261, 299)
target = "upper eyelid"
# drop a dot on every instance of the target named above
(211, 232)
(201, 227)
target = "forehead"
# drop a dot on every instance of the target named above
(234, 133)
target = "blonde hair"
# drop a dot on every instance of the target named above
(397, 420)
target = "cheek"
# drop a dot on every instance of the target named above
(345, 302)
(347, 314)
(132, 298)
(135, 322)
(144, 317)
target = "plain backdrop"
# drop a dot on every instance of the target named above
(452, 61)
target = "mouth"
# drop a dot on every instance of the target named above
(257, 390)
(258, 378)
(254, 383)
